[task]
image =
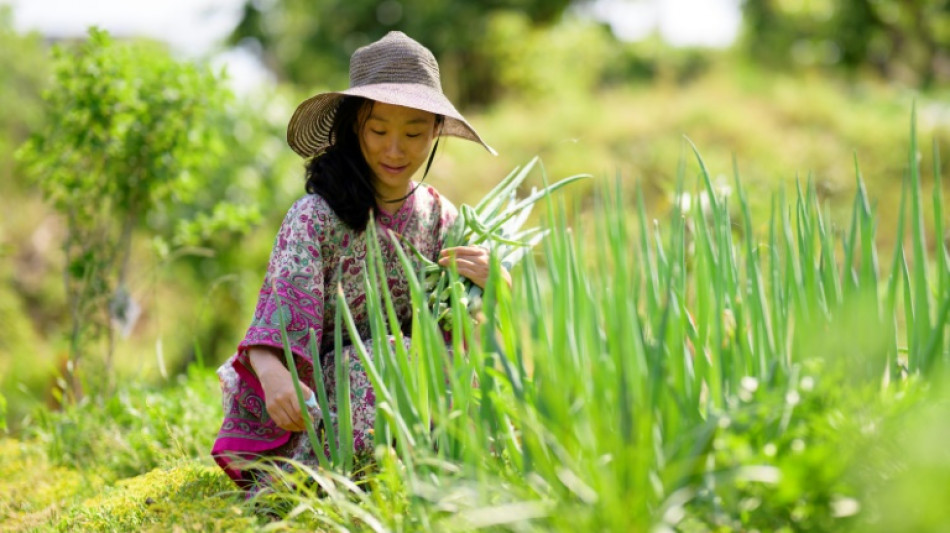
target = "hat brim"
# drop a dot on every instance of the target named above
(309, 130)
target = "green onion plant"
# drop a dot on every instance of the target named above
(685, 375)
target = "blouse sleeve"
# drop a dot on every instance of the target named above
(293, 289)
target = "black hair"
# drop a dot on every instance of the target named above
(340, 173)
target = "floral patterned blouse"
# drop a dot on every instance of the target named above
(314, 253)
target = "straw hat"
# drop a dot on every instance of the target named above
(394, 70)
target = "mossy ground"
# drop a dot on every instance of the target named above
(192, 495)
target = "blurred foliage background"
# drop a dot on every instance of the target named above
(806, 89)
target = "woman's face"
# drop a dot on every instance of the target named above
(395, 141)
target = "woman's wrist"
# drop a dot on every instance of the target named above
(265, 361)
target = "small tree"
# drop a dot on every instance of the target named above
(129, 132)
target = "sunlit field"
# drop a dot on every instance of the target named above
(737, 319)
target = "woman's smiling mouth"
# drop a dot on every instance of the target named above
(393, 169)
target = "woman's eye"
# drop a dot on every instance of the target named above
(378, 132)
(413, 135)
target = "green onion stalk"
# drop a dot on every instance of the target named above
(495, 223)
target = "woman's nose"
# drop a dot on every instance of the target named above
(393, 146)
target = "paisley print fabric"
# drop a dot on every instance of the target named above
(315, 259)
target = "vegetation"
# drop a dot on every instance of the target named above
(752, 340)
(128, 133)
(680, 386)
(132, 154)
(310, 45)
(138, 461)
(892, 38)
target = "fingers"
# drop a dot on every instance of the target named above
(473, 270)
(464, 251)
(284, 408)
(285, 416)
(471, 262)
(288, 419)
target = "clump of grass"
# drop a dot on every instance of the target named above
(137, 429)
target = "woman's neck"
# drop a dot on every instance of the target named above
(385, 204)
(390, 208)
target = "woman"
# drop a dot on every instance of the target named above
(364, 145)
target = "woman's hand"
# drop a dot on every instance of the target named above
(280, 396)
(472, 262)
